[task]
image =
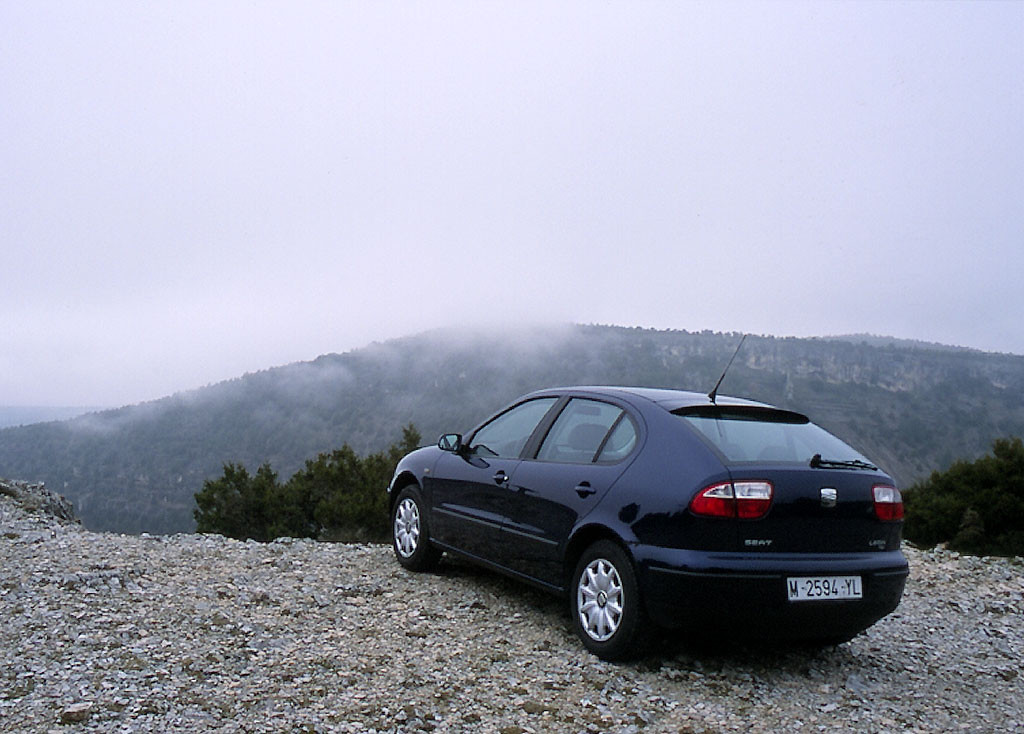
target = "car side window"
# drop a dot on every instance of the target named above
(579, 431)
(620, 443)
(506, 435)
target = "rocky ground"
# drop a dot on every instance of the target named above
(102, 632)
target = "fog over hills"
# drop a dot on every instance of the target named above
(24, 415)
(912, 408)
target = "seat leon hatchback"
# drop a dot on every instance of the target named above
(651, 508)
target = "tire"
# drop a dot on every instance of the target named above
(410, 533)
(604, 600)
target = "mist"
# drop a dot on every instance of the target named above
(190, 193)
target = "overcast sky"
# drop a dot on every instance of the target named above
(191, 191)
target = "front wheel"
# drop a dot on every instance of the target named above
(410, 533)
(607, 612)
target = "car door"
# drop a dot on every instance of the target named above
(581, 456)
(470, 488)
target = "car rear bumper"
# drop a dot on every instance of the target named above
(745, 594)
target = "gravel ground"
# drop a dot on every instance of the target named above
(112, 633)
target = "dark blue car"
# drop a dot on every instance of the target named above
(660, 508)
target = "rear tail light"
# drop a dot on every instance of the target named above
(717, 500)
(888, 502)
(747, 500)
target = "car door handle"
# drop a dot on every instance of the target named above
(500, 477)
(583, 489)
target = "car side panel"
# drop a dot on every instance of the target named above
(649, 503)
(546, 501)
(468, 505)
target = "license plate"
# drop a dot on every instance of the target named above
(815, 588)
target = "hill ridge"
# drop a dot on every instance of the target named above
(135, 468)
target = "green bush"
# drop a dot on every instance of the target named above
(337, 496)
(238, 504)
(975, 507)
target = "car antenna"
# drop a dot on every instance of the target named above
(714, 393)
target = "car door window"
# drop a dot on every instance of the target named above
(507, 434)
(579, 431)
(620, 443)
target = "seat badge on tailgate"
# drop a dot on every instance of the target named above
(829, 497)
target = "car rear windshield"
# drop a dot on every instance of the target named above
(764, 434)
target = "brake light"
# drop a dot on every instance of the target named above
(747, 500)
(888, 502)
(717, 500)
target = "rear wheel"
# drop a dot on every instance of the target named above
(605, 603)
(410, 533)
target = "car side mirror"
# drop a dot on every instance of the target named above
(450, 442)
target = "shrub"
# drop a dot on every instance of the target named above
(975, 507)
(338, 496)
(238, 505)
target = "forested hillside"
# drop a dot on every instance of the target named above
(912, 408)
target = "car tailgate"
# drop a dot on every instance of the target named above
(818, 511)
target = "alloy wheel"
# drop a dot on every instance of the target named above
(407, 527)
(599, 600)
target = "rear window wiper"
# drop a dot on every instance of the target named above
(817, 461)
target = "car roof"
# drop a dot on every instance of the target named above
(665, 398)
